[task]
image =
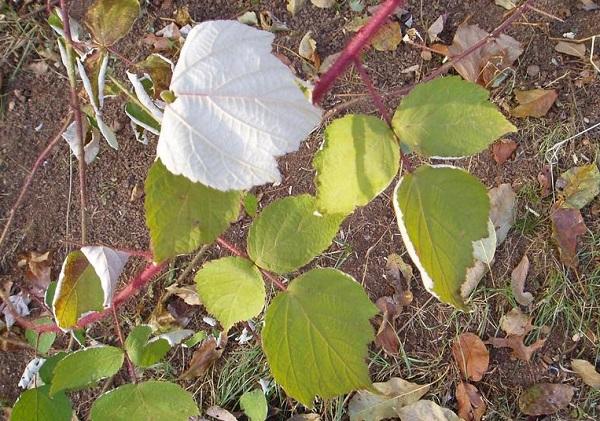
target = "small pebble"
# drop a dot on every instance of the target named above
(533, 70)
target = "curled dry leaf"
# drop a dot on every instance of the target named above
(507, 4)
(534, 103)
(580, 185)
(483, 65)
(308, 49)
(517, 282)
(571, 48)
(37, 271)
(545, 398)
(388, 37)
(386, 337)
(516, 323)
(204, 357)
(396, 266)
(503, 200)
(187, 293)
(294, 6)
(323, 4)
(503, 150)
(544, 178)
(436, 27)
(392, 395)
(471, 356)
(471, 406)
(587, 372)
(520, 350)
(567, 225)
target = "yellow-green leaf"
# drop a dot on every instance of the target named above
(110, 20)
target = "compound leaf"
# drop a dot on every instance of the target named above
(155, 400)
(231, 289)
(79, 291)
(110, 20)
(316, 335)
(359, 159)
(289, 233)
(238, 107)
(449, 117)
(37, 405)
(85, 367)
(441, 212)
(182, 215)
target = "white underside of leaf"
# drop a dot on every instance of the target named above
(108, 264)
(143, 96)
(30, 372)
(174, 337)
(90, 150)
(237, 109)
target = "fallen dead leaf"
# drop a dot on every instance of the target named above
(503, 200)
(516, 323)
(471, 406)
(294, 6)
(520, 350)
(534, 103)
(503, 150)
(388, 37)
(158, 43)
(580, 185)
(436, 28)
(386, 337)
(182, 16)
(38, 67)
(545, 398)
(220, 413)
(517, 282)
(271, 23)
(589, 5)
(441, 49)
(567, 225)
(357, 22)
(507, 4)
(396, 266)
(186, 292)
(248, 18)
(204, 357)
(571, 48)
(323, 4)
(426, 410)
(587, 372)
(308, 49)
(328, 62)
(471, 356)
(544, 178)
(37, 271)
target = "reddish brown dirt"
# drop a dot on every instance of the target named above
(49, 218)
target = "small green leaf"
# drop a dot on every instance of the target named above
(85, 367)
(254, 405)
(449, 117)
(141, 352)
(49, 296)
(359, 159)
(41, 341)
(316, 335)
(79, 291)
(141, 117)
(251, 204)
(36, 405)
(195, 339)
(110, 20)
(182, 215)
(289, 233)
(140, 402)
(441, 212)
(231, 289)
(47, 370)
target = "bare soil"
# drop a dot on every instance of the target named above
(49, 217)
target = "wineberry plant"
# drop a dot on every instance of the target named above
(224, 113)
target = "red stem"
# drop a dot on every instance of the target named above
(354, 47)
(233, 249)
(122, 342)
(375, 96)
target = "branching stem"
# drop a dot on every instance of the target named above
(130, 367)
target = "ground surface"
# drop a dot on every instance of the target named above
(33, 106)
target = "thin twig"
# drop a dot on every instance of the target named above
(29, 178)
(273, 279)
(375, 95)
(122, 343)
(77, 113)
(192, 264)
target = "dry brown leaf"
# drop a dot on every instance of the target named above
(388, 37)
(323, 4)
(544, 178)
(204, 357)
(503, 150)
(328, 62)
(567, 225)
(589, 5)
(187, 293)
(38, 67)
(440, 49)
(386, 337)
(520, 350)
(294, 6)
(158, 43)
(517, 282)
(37, 271)
(435, 28)
(471, 355)
(587, 372)
(516, 323)
(484, 64)
(182, 16)
(471, 406)
(571, 48)
(534, 103)
(507, 4)
(308, 49)
(220, 413)
(545, 398)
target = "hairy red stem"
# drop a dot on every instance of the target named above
(29, 178)
(233, 249)
(354, 47)
(375, 96)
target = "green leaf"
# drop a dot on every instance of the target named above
(359, 159)
(449, 117)
(41, 341)
(79, 291)
(141, 352)
(231, 289)
(140, 402)
(251, 204)
(47, 370)
(580, 185)
(50, 291)
(441, 211)
(288, 234)
(36, 405)
(110, 20)
(182, 215)
(85, 367)
(254, 405)
(316, 335)
(195, 339)
(141, 117)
